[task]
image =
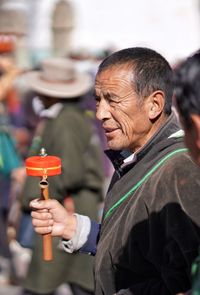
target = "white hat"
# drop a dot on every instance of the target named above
(59, 78)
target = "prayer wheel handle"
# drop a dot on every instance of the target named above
(44, 166)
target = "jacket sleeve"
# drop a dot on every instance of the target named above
(90, 246)
(86, 237)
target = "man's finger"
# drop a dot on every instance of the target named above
(41, 214)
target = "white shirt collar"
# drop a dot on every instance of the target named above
(52, 112)
(133, 157)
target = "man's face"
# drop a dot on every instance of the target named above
(191, 137)
(124, 118)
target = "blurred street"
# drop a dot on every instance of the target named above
(20, 261)
(10, 290)
(16, 290)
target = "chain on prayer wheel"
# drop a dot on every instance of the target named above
(44, 166)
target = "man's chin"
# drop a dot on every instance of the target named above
(114, 146)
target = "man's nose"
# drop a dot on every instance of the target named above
(103, 110)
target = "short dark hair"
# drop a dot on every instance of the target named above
(151, 71)
(187, 87)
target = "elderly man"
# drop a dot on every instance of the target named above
(149, 234)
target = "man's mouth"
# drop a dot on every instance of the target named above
(110, 131)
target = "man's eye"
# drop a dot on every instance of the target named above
(112, 101)
(97, 98)
(97, 101)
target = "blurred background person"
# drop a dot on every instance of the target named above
(187, 101)
(64, 130)
(10, 157)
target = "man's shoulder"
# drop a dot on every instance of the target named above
(179, 164)
(182, 160)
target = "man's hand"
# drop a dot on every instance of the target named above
(49, 216)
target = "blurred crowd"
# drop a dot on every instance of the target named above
(20, 119)
(41, 106)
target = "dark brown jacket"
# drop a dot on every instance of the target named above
(151, 227)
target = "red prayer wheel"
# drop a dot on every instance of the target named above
(7, 43)
(44, 166)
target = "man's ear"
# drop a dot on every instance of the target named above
(196, 128)
(156, 103)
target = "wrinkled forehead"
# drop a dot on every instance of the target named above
(114, 78)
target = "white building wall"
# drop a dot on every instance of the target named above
(171, 27)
